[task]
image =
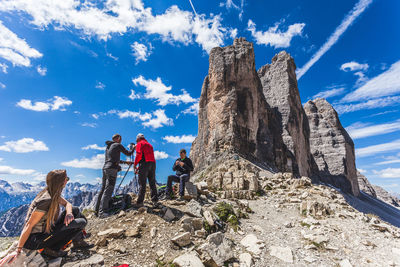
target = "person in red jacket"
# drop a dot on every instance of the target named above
(146, 169)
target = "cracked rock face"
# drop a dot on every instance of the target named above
(331, 146)
(234, 116)
(280, 89)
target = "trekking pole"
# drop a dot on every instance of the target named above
(123, 179)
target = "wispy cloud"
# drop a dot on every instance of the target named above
(158, 91)
(14, 49)
(2, 85)
(388, 173)
(357, 10)
(41, 70)
(94, 146)
(354, 66)
(385, 84)
(3, 67)
(377, 149)
(357, 131)
(56, 103)
(89, 124)
(100, 85)
(275, 37)
(14, 171)
(370, 104)
(96, 162)
(331, 92)
(229, 4)
(179, 139)
(140, 51)
(24, 145)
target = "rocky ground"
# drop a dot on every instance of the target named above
(293, 223)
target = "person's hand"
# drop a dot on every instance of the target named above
(8, 259)
(136, 170)
(181, 163)
(68, 219)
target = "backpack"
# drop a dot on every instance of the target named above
(120, 202)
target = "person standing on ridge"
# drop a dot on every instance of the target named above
(182, 166)
(110, 171)
(146, 169)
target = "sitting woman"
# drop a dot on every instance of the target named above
(45, 228)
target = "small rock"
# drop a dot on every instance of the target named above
(197, 223)
(193, 208)
(252, 244)
(55, 262)
(283, 253)
(94, 261)
(190, 259)
(153, 232)
(200, 233)
(258, 228)
(169, 215)
(112, 233)
(142, 210)
(135, 232)
(245, 260)
(182, 240)
(207, 215)
(345, 263)
(288, 225)
(102, 242)
(121, 214)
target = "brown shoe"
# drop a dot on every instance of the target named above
(81, 244)
(54, 253)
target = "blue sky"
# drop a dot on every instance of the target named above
(74, 73)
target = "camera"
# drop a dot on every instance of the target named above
(131, 145)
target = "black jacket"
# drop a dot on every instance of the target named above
(186, 169)
(113, 155)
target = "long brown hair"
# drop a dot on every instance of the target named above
(55, 184)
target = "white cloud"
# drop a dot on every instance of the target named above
(155, 120)
(354, 66)
(96, 162)
(119, 17)
(385, 84)
(57, 103)
(160, 155)
(362, 170)
(275, 37)
(24, 145)
(111, 56)
(158, 120)
(14, 49)
(370, 104)
(140, 52)
(41, 70)
(89, 124)
(2, 85)
(179, 139)
(233, 33)
(357, 10)
(94, 146)
(386, 162)
(100, 85)
(160, 92)
(357, 131)
(133, 95)
(11, 170)
(193, 109)
(3, 67)
(388, 173)
(376, 149)
(333, 91)
(1, 159)
(229, 4)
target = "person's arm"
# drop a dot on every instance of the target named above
(188, 165)
(125, 151)
(69, 217)
(175, 165)
(138, 154)
(26, 231)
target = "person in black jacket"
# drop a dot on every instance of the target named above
(110, 170)
(182, 166)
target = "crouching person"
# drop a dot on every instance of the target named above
(45, 228)
(182, 166)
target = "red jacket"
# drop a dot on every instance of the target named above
(144, 151)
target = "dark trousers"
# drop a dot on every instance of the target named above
(107, 189)
(60, 234)
(147, 170)
(182, 179)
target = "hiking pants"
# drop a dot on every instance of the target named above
(107, 189)
(60, 234)
(147, 170)
(182, 179)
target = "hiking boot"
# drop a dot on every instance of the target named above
(54, 253)
(103, 215)
(81, 244)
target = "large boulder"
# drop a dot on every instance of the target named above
(331, 147)
(234, 116)
(280, 89)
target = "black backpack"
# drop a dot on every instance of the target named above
(120, 202)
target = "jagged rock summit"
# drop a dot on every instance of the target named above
(251, 122)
